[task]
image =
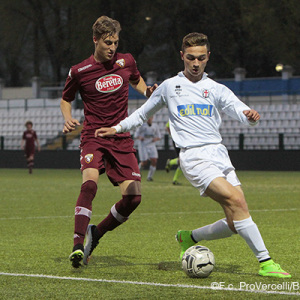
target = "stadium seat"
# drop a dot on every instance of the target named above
(48, 122)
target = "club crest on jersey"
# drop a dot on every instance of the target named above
(205, 93)
(121, 62)
(88, 158)
(109, 83)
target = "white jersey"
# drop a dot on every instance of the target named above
(148, 133)
(194, 110)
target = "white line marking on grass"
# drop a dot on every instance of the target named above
(153, 213)
(149, 283)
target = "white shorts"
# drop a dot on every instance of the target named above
(201, 165)
(147, 152)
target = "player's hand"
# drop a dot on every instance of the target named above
(252, 115)
(70, 125)
(150, 90)
(105, 131)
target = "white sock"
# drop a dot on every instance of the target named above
(217, 230)
(151, 171)
(248, 230)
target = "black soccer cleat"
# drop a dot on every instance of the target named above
(76, 256)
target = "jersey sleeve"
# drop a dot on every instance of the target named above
(35, 135)
(231, 105)
(135, 74)
(71, 87)
(148, 109)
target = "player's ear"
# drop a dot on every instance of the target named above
(95, 40)
(208, 55)
(181, 55)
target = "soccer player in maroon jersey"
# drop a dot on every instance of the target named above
(28, 145)
(103, 82)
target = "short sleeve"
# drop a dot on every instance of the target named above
(71, 87)
(135, 74)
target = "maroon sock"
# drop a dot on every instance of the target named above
(83, 210)
(108, 224)
(119, 213)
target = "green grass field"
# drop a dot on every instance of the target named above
(139, 260)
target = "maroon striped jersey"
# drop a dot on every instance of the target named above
(30, 137)
(104, 90)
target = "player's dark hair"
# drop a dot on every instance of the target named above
(28, 123)
(105, 26)
(195, 39)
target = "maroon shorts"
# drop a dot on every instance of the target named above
(116, 157)
(29, 151)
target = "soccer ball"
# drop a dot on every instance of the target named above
(198, 261)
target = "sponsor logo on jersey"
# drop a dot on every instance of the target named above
(136, 174)
(88, 158)
(83, 68)
(109, 83)
(205, 93)
(194, 110)
(121, 62)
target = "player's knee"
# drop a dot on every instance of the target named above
(238, 202)
(128, 204)
(89, 187)
(132, 201)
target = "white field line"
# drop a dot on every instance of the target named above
(150, 284)
(153, 213)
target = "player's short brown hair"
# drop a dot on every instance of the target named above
(105, 26)
(195, 39)
(28, 123)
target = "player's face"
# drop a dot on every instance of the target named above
(195, 60)
(106, 47)
(150, 120)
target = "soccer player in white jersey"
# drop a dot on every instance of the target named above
(148, 134)
(194, 102)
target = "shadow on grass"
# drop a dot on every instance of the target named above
(169, 266)
(176, 266)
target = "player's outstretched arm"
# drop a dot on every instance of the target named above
(252, 115)
(141, 87)
(105, 131)
(150, 90)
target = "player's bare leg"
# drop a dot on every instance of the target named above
(143, 165)
(238, 220)
(152, 169)
(30, 163)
